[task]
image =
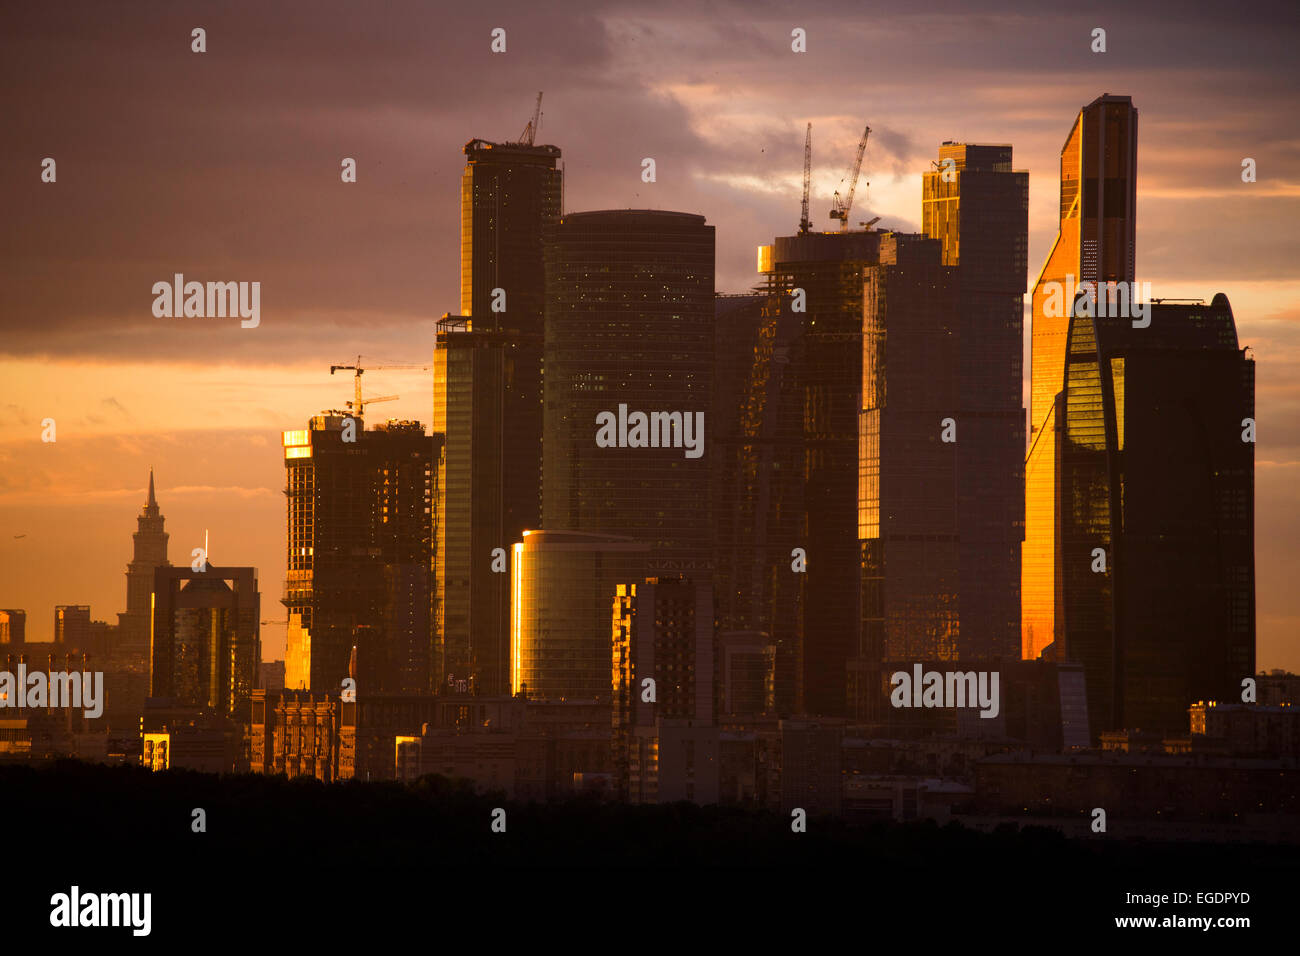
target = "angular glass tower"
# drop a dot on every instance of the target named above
(1095, 243)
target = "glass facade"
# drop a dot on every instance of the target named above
(821, 388)
(980, 215)
(563, 588)
(488, 405)
(1154, 472)
(758, 483)
(1096, 242)
(910, 570)
(206, 638)
(629, 322)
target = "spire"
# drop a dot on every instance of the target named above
(152, 502)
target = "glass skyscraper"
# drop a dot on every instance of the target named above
(977, 205)
(488, 405)
(1154, 476)
(1095, 243)
(629, 331)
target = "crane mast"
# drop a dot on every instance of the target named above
(358, 404)
(840, 208)
(804, 224)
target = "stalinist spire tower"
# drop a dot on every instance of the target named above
(150, 554)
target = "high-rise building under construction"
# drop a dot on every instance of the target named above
(358, 543)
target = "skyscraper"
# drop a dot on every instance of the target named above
(1157, 525)
(629, 335)
(815, 280)
(206, 638)
(488, 404)
(758, 489)
(977, 205)
(1095, 244)
(478, 512)
(907, 506)
(359, 507)
(150, 553)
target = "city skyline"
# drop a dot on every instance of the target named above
(68, 498)
(443, 444)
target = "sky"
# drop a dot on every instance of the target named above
(225, 166)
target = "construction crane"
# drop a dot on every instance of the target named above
(529, 134)
(358, 405)
(804, 224)
(840, 208)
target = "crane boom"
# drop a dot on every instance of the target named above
(840, 208)
(358, 405)
(529, 135)
(804, 224)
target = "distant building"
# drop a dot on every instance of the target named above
(1192, 797)
(72, 625)
(270, 675)
(805, 757)
(294, 733)
(149, 554)
(206, 638)
(746, 673)
(176, 733)
(1278, 687)
(663, 643)
(13, 625)
(533, 751)
(1251, 730)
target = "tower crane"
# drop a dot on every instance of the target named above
(530, 131)
(804, 224)
(358, 405)
(840, 208)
